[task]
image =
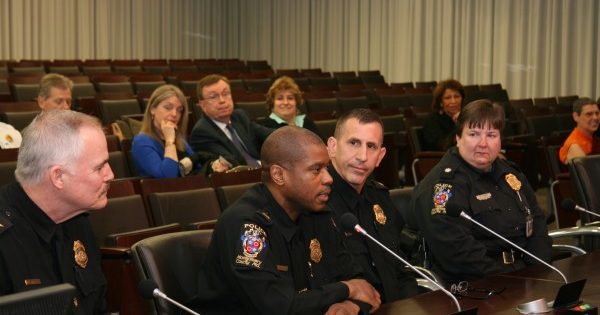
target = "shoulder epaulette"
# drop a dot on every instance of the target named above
(379, 185)
(264, 217)
(5, 223)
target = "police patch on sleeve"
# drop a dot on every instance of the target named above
(253, 240)
(441, 194)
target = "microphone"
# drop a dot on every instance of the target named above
(570, 205)
(149, 289)
(349, 223)
(454, 210)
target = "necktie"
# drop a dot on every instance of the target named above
(237, 143)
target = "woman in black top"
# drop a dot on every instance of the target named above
(438, 128)
(283, 100)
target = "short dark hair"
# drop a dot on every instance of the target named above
(363, 115)
(285, 146)
(438, 92)
(480, 113)
(579, 103)
(210, 80)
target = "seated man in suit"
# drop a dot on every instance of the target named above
(223, 130)
(584, 139)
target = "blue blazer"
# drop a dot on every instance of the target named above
(149, 157)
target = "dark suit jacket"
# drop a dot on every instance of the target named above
(207, 136)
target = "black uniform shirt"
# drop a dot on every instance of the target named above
(377, 214)
(459, 249)
(35, 252)
(261, 262)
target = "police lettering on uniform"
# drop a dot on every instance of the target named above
(45, 236)
(356, 149)
(277, 250)
(490, 189)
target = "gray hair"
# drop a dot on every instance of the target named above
(52, 138)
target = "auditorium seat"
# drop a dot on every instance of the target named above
(172, 260)
(24, 87)
(19, 120)
(326, 128)
(112, 83)
(95, 66)
(146, 83)
(113, 109)
(7, 172)
(126, 66)
(258, 85)
(322, 105)
(255, 110)
(155, 66)
(184, 207)
(229, 186)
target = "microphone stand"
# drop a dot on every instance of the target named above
(468, 217)
(360, 230)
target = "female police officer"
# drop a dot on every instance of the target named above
(491, 190)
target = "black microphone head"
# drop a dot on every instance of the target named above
(453, 209)
(568, 204)
(348, 221)
(146, 288)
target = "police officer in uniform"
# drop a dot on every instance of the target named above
(491, 190)
(45, 236)
(356, 149)
(277, 250)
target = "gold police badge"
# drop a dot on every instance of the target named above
(315, 250)
(81, 257)
(513, 181)
(379, 215)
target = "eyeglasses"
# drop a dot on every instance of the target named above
(216, 97)
(462, 289)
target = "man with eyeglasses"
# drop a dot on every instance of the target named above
(224, 131)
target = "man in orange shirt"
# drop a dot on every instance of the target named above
(581, 140)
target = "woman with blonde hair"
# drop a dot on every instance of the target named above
(160, 146)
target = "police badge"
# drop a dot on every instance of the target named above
(513, 181)
(315, 250)
(81, 257)
(379, 214)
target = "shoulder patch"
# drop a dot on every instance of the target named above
(441, 194)
(5, 224)
(253, 240)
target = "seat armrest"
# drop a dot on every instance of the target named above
(127, 239)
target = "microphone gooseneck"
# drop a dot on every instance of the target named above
(570, 205)
(149, 289)
(454, 210)
(349, 223)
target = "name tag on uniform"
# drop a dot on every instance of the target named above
(281, 268)
(32, 281)
(529, 225)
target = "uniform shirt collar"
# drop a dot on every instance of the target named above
(350, 196)
(493, 169)
(287, 227)
(39, 220)
(298, 120)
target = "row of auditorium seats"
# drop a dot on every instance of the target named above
(138, 208)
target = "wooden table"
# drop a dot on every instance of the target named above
(522, 286)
